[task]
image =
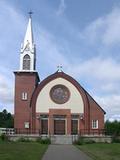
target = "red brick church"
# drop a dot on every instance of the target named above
(58, 105)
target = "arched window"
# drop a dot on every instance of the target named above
(26, 62)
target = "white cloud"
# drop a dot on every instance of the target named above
(114, 117)
(61, 8)
(106, 69)
(112, 32)
(110, 103)
(104, 29)
(110, 87)
(92, 33)
(6, 91)
(10, 34)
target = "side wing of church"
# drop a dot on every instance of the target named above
(58, 105)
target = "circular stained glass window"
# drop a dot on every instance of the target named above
(59, 94)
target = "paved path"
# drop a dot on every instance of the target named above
(64, 152)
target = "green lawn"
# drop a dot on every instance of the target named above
(22, 150)
(100, 151)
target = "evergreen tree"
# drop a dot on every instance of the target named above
(6, 119)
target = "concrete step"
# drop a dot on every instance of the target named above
(61, 139)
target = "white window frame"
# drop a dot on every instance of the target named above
(24, 96)
(94, 124)
(26, 125)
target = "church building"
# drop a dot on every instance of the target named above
(58, 105)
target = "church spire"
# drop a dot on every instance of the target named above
(27, 57)
(28, 39)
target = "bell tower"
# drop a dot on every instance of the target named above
(26, 81)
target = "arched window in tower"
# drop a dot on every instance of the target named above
(26, 62)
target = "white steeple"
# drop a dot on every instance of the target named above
(28, 52)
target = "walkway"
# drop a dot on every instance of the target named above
(64, 152)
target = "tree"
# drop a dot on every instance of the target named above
(112, 128)
(6, 119)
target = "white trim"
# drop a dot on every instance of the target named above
(94, 124)
(32, 61)
(24, 96)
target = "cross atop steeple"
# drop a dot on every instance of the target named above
(60, 68)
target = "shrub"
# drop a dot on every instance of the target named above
(3, 137)
(115, 139)
(24, 140)
(38, 140)
(80, 141)
(43, 141)
(89, 141)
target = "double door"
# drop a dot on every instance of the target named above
(59, 126)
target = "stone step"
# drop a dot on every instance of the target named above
(61, 139)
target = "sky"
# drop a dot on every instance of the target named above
(81, 35)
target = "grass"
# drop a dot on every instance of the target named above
(100, 151)
(22, 150)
